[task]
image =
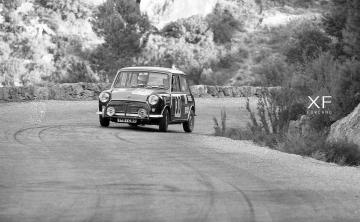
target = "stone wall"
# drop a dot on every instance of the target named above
(227, 91)
(90, 91)
(66, 91)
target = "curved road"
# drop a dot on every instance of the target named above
(57, 164)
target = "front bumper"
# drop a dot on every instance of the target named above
(130, 109)
(124, 115)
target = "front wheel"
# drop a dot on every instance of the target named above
(164, 122)
(104, 122)
(189, 125)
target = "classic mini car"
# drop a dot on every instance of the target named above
(148, 95)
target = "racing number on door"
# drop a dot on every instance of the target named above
(178, 106)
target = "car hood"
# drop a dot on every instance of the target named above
(135, 94)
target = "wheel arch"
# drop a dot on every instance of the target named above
(192, 108)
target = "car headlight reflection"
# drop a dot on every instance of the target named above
(153, 99)
(104, 97)
(110, 111)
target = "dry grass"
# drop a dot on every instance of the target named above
(314, 145)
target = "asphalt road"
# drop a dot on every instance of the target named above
(57, 164)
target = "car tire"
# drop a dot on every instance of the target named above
(189, 124)
(164, 122)
(104, 122)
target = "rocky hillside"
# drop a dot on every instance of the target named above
(44, 41)
(223, 41)
(347, 129)
(215, 41)
(163, 12)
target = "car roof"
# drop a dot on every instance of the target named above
(152, 69)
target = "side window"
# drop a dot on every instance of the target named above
(175, 86)
(183, 84)
(121, 80)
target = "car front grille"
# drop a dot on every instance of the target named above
(127, 107)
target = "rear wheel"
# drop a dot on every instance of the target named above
(164, 122)
(189, 125)
(104, 122)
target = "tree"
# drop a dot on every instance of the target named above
(124, 29)
(306, 43)
(68, 9)
(335, 20)
(347, 88)
(12, 4)
(343, 22)
(223, 24)
(351, 33)
(122, 25)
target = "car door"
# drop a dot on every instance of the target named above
(177, 99)
(186, 96)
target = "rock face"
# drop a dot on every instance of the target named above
(162, 12)
(347, 128)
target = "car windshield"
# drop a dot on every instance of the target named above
(142, 80)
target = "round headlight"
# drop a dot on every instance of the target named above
(142, 113)
(104, 97)
(153, 99)
(110, 111)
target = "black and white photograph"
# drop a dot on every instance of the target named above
(179, 110)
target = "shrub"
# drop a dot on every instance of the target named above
(335, 20)
(347, 88)
(72, 69)
(223, 24)
(306, 43)
(351, 33)
(218, 77)
(316, 146)
(342, 153)
(67, 8)
(274, 110)
(221, 129)
(269, 125)
(196, 29)
(191, 58)
(322, 73)
(313, 144)
(327, 76)
(11, 71)
(303, 3)
(173, 29)
(12, 4)
(320, 122)
(273, 71)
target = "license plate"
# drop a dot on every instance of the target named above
(126, 120)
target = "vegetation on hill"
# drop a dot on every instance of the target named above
(313, 58)
(256, 42)
(45, 41)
